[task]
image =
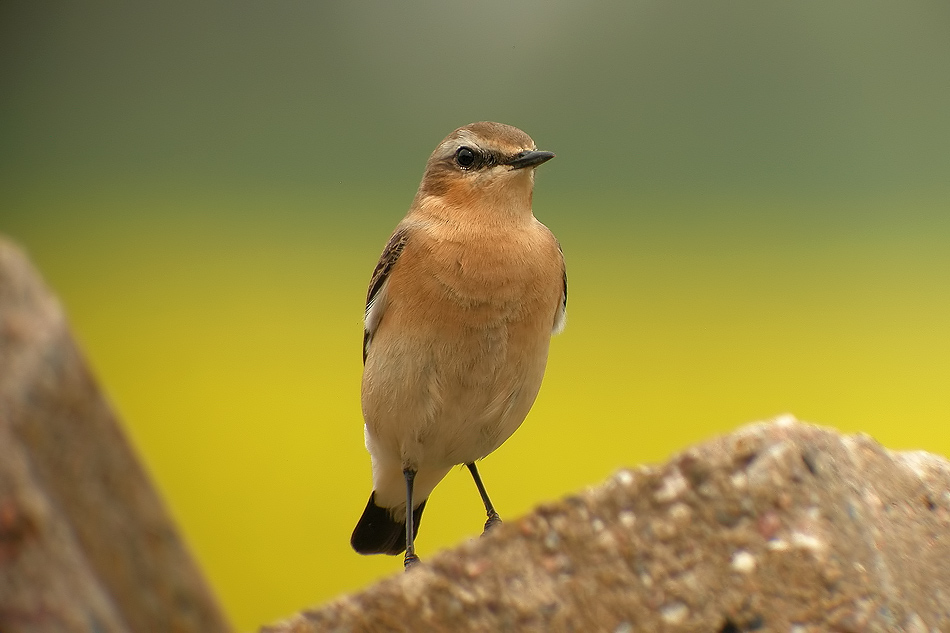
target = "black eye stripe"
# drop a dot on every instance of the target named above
(470, 158)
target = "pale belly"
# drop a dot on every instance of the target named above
(437, 395)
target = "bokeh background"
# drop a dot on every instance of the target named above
(753, 198)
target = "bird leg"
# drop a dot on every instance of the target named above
(493, 518)
(411, 558)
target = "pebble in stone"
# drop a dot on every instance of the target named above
(672, 486)
(674, 613)
(743, 561)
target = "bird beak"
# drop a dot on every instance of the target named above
(529, 159)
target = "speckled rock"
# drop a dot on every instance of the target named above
(780, 526)
(86, 544)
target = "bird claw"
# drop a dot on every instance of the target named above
(493, 520)
(410, 561)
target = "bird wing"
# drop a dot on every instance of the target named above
(376, 295)
(560, 318)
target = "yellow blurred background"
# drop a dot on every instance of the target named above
(752, 198)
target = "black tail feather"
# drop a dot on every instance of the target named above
(378, 533)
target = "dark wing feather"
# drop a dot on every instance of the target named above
(564, 302)
(385, 265)
(564, 275)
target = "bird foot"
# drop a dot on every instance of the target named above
(493, 520)
(410, 561)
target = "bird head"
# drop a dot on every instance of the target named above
(483, 164)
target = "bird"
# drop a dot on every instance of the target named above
(459, 315)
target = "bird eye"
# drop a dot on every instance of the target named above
(465, 157)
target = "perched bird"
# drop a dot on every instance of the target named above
(459, 316)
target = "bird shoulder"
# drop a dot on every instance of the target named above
(397, 242)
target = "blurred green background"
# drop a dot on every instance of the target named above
(752, 197)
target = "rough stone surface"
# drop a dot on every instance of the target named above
(85, 542)
(779, 526)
